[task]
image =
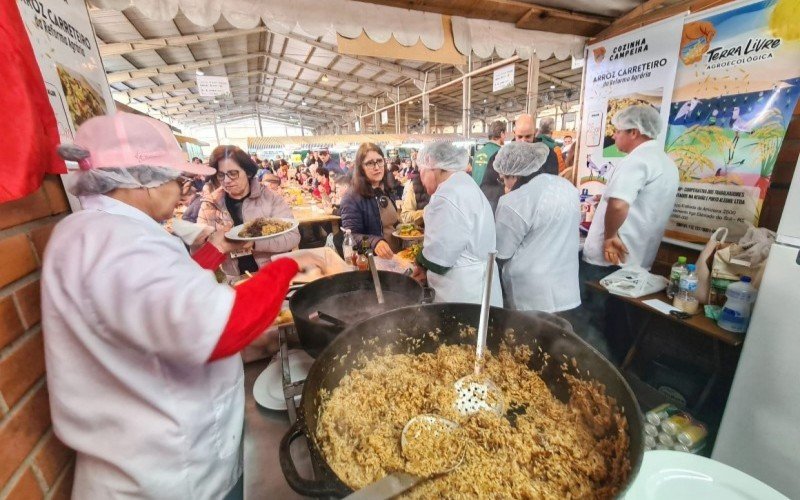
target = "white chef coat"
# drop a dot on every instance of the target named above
(129, 321)
(647, 180)
(537, 232)
(460, 234)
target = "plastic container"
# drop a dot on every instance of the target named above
(675, 274)
(735, 314)
(686, 300)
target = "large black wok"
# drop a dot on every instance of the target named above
(553, 334)
(349, 297)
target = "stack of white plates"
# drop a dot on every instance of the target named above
(268, 388)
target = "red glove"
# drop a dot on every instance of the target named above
(208, 257)
(257, 304)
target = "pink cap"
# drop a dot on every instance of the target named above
(124, 140)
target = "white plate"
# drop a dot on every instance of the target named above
(268, 388)
(408, 238)
(669, 475)
(233, 233)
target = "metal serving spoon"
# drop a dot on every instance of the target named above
(398, 482)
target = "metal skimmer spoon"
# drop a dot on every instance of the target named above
(476, 392)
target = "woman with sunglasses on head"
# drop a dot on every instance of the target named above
(241, 198)
(368, 208)
(537, 237)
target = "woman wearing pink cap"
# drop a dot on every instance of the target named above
(140, 339)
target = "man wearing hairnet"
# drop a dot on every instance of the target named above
(537, 232)
(459, 228)
(633, 212)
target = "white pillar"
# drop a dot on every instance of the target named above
(302, 130)
(426, 111)
(397, 113)
(260, 126)
(532, 94)
(466, 94)
(216, 130)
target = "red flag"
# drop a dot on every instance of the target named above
(28, 130)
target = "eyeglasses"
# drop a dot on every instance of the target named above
(230, 174)
(185, 183)
(379, 163)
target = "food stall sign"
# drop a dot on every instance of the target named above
(213, 86)
(577, 63)
(503, 78)
(384, 117)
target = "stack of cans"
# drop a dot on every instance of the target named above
(669, 428)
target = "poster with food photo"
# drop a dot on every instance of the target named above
(66, 50)
(737, 85)
(635, 68)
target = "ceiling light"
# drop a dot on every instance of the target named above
(303, 102)
(324, 78)
(485, 100)
(552, 87)
(199, 72)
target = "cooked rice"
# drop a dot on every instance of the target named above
(552, 450)
(263, 227)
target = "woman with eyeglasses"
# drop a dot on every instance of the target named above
(537, 231)
(141, 342)
(241, 198)
(368, 208)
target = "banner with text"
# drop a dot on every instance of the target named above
(736, 87)
(631, 69)
(66, 51)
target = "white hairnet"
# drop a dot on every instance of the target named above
(521, 158)
(103, 180)
(641, 117)
(443, 155)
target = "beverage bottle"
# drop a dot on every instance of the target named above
(736, 312)
(685, 300)
(362, 262)
(347, 247)
(675, 274)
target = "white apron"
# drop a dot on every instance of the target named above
(459, 234)
(129, 322)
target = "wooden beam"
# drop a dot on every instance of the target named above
(560, 21)
(383, 87)
(655, 15)
(509, 11)
(149, 72)
(130, 47)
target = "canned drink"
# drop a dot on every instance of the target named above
(661, 412)
(692, 435)
(676, 423)
(650, 442)
(690, 449)
(651, 430)
(666, 440)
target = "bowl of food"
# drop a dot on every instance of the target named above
(261, 228)
(571, 426)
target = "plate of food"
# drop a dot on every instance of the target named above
(410, 254)
(261, 228)
(408, 232)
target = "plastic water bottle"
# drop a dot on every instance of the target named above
(347, 248)
(675, 274)
(736, 312)
(685, 300)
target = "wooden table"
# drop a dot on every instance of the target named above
(305, 214)
(697, 323)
